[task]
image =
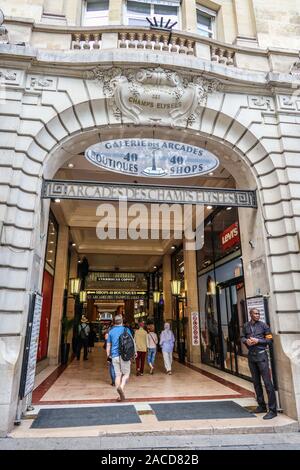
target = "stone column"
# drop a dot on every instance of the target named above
(190, 277)
(60, 279)
(167, 277)
(129, 310)
(71, 300)
(115, 12)
(188, 15)
(90, 309)
(245, 23)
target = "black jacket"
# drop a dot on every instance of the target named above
(259, 330)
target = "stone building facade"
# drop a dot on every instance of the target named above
(62, 82)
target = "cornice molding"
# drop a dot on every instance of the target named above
(77, 64)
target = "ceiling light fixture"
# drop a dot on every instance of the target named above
(209, 207)
(57, 201)
(71, 165)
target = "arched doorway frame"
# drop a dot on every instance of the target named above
(43, 145)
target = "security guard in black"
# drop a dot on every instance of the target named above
(257, 336)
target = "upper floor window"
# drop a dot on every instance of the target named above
(138, 10)
(206, 21)
(96, 12)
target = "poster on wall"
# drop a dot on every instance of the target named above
(195, 329)
(258, 303)
(31, 345)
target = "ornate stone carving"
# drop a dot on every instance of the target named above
(8, 75)
(295, 69)
(264, 103)
(289, 102)
(11, 77)
(38, 82)
(156, 95)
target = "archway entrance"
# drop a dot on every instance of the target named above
(81, 192)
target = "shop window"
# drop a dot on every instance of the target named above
(96, 12)
(51, 247)
(137, 11)
(206, 22)
(221, 238)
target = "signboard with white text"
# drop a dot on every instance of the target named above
(97, 191)
(31, 346)
(230, 237)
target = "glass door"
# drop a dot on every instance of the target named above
(231, 313)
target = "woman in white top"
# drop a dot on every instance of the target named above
(152, 341)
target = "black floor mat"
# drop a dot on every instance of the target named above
(88, 416)
(199, 410)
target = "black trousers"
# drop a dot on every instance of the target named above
(259, 367)
(84, 343)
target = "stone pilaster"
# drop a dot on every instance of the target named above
(188, 15)
(115, 12)
(190, 277)
(245, 22)
(167, 277)
(58, 293)
(71, 300)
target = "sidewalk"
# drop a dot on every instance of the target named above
(289, 441)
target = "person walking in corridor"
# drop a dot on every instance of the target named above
(257, 336)
(167, 341)
(83, 337)
(152, 341)
(140, 338)
(114, 354)
(109, 360)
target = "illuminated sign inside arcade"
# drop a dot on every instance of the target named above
(152, 158)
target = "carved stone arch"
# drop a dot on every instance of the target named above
(214, 126)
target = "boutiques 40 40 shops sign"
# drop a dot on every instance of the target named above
(152, 158)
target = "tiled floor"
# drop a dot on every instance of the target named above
(86, 383)
(89, 382)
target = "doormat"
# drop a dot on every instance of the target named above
(87, 416)
(199, 410)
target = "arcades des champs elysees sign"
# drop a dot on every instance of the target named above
(152, 158)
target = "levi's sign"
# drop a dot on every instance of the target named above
(230, 236)
(152, 158)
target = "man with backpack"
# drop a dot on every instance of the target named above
(83, 338)
(120, 350)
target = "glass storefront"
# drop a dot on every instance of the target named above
(222, 296)
(179, 315)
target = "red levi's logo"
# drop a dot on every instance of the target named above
(230, 236)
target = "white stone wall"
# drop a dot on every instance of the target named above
(251, 123)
